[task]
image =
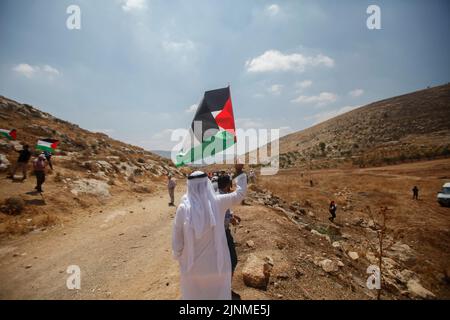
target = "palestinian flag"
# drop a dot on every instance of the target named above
(10, 135)
(212, 130)
(47, 145)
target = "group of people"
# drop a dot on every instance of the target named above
(201, 240)
(39, 165)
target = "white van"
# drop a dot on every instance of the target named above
(443, 196)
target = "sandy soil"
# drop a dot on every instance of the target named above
(123, 252)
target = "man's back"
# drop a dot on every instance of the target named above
(24, 155)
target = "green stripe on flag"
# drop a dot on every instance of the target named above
(215, 144)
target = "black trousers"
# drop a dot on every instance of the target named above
(333, 214)
(232, 248)
(40, 179)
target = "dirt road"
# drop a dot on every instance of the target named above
(121, 252)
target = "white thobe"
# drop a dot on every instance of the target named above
(204, 280)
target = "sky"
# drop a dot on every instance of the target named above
(137, 68)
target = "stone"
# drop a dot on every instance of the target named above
(250, 243)
(283, 276)
(336, 244)
(329, 266)
(256, 272)
(353, 255)
(340, 263)
(416, 290)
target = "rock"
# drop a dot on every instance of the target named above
(401, 251)
(329, 266)
(311, 214)
(353, 255)
(336, 244)
(405, 275)
(90, 186)
(340, 263)
(250, 243)
(371, 257)
(4, 162)
(256, 272)
(416, 290)
(281, 245)
(298, 272)
(283, 276)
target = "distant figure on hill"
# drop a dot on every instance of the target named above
(171, 184)
(22, 162)
(415, 191)
(39, 171)
(332, 210)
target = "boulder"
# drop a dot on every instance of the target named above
(90, 186)
(353, 255)
(416, 290)
(256, 272)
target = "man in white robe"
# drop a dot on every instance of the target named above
(199, 242)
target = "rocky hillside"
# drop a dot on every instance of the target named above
(86, 164)
(410, 127)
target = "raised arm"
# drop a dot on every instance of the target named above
(229, 200)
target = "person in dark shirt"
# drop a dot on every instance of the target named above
(22, 162)
(332, 211)
(415, 191)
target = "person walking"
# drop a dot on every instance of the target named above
(39, 172)
(415, 191)
(332, 210)
(22, 162)
(171, 184)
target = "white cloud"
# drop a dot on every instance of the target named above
(356, 93)
(322, 99)
(275, 89)
(25, 70)
(192, 109)
(274, 60)
(30, 71)
(134, 5)
(50, 70)
(272, 10)
(176, 46)
(323, 116)
(303, 84)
